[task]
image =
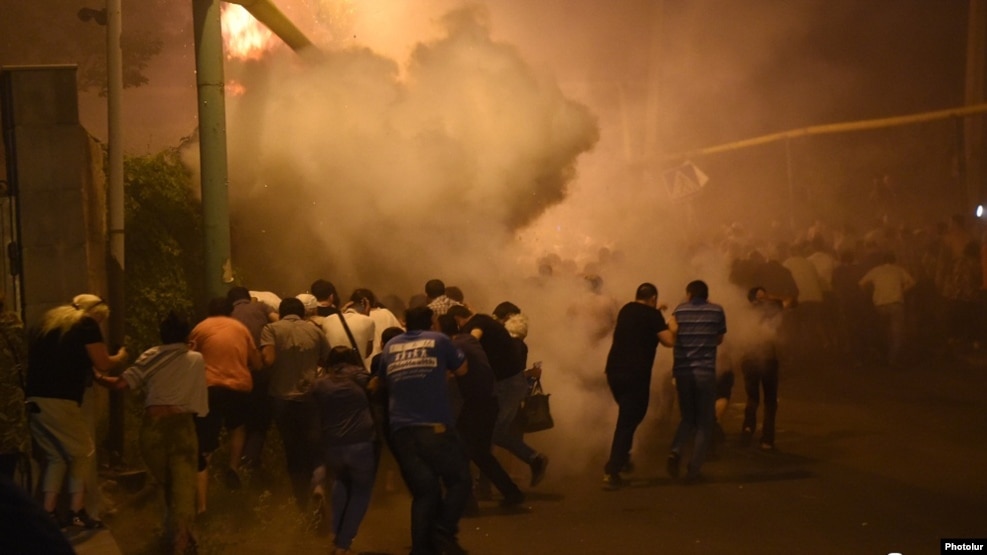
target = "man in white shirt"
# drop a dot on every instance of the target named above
(382, 317)
(810, 313)
(889, 282)
(360, 324)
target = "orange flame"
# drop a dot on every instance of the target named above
(235, 88)
(245, 37)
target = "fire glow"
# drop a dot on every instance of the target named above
(244, 37)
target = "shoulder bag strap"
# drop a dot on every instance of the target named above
(352, 339)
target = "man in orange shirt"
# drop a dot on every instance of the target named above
(230, 354)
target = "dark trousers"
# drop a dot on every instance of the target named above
(758, 375)
(294, 419)
(8, 464)
(632, 395)
(697, 406)
(476, 427)
(430, 460)
(258, 421)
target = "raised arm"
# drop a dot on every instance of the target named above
(101, 359)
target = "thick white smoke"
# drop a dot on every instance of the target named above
(370, 171)
(351, 166)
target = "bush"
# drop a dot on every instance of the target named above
(164, 245)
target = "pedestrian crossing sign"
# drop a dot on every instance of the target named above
(685, 180)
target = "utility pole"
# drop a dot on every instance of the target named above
(973, 126)
(115, 217)
(653, 108)
(212, 144)
(111, 17)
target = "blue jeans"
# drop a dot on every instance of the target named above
(632, 395)
(697, 405)
(510, 392)
(354, 468)
(431, 460)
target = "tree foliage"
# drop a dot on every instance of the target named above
(164, 248)
(66, 32)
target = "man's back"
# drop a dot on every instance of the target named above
(890, 282)
(225, 345)
(497, 344)
(252, 314)
(361, 326)
(635, 340)
(806, 279)
(701, 325)
(413, 367)
(299, 348)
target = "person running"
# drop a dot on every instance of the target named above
(173, 378)
(348, 442)
(61, 359)
(701, 326)
(414, 368)
(640, 328)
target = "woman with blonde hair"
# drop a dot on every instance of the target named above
(61, 358)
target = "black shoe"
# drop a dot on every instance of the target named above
(231, 479)
(538, 466)
(613, 482)
(628, 467)
(82, 519)
(446, 544)
(482, 491)
(746, 436)
(472, 508)
(672, 465)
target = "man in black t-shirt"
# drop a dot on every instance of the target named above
(640, 328)
(477, 414)
(510, 387)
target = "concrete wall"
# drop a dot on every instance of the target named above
(56, 189)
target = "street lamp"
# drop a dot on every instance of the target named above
(110, 17)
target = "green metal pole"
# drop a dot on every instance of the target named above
(269, 14)
(212, 145)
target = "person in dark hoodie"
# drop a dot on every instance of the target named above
(478, 411)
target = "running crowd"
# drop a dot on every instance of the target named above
(342, 378)
(827, 294)
(339, 380)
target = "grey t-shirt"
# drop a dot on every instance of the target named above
(172, 375)
(299, 346)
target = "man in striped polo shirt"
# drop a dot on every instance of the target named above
(702, 325)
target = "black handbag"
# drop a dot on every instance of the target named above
(534, 412)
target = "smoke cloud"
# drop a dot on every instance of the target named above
(382, 174)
